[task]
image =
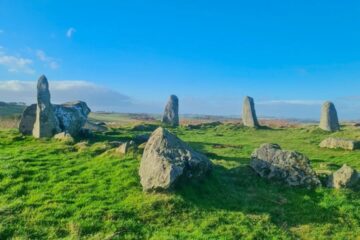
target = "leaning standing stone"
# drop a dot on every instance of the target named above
(46, 124)
(329, 118)
(166, 159)
(249, 115)
(171, 113)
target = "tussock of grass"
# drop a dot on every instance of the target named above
(50, 190)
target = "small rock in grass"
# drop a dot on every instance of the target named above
(340, 143)
(64, 137)
(124, 148)
(343, 178)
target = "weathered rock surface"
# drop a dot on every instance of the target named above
(166, 159)
(45, 119)
(329, 119)
(64, 137)
(72, 116)
(27, 121)
(343, 178)
(125, 147)
(249, 115)
(171, 113)
(46, 124)
(340, 143)
(291, 167)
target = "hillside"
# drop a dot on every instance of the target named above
(11, 109)
(86, 191)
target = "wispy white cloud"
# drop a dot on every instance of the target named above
(70, 32)
(15, 63)
(291, 102)
(49, 61)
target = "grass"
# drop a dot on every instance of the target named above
(51, 190)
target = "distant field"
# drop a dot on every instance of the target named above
(50, 190)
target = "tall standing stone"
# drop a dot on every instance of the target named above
(46, 124)
(329, 118)
(249, 115)
(171, 113)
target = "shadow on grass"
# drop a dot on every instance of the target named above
(241, 189)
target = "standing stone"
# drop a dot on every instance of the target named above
(171, 113)
(329, 119)
(166, 159)
(27, 121)
(249, 115)
(46, 124)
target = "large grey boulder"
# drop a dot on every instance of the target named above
(248, 114)
(346, 144)
(46, 124)
(291, 167)
(72, 116)
(343, 178)
(171, 112)
(329, 119)
(166, 159)
(27, 121)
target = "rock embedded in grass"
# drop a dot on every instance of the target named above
(329, 119)
(125, 147)
(96, 127)
(166, 159)
(345, 177)
(249, 114)
(64, 137)
(340, 143)
(171, 112)
(291, 167)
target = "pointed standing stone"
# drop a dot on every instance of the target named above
(249, 115)
(46, 124)
(329, 119)
(171, 113)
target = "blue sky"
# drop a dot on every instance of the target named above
(129, 56)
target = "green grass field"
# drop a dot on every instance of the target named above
(50, 190)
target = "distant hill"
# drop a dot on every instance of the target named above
(11, 109)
